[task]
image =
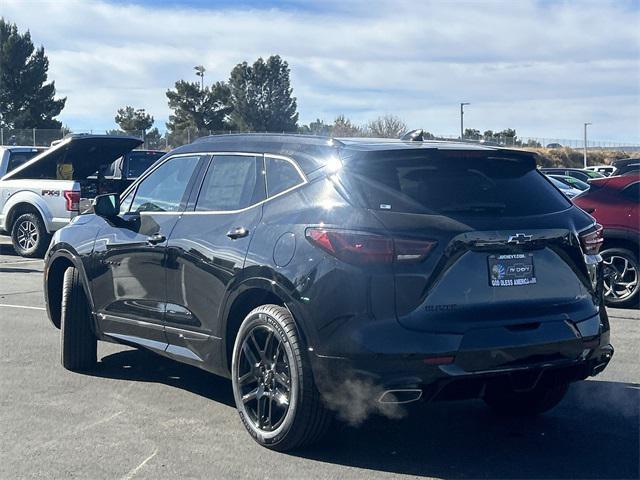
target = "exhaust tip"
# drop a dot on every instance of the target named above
(401, 395)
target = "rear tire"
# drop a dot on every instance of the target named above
(78, 344)
(621, 277)
(520, 404)
(29, 236)
(273, 384)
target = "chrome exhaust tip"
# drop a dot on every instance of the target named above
(401, 395)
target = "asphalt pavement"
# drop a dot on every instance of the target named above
(142, 416)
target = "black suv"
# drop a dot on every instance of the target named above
(319, 273)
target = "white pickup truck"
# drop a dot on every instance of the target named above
(44, 194)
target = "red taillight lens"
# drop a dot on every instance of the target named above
(73, 200)
(592, 241)
(368, 248)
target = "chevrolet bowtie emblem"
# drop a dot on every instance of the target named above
(519, 238)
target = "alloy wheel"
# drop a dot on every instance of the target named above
(27, 234)
(264, 378)
(620, 278)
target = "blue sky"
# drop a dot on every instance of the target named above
(542, 67)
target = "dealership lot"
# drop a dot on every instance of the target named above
(142, 416)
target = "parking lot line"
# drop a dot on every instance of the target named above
(21, 306)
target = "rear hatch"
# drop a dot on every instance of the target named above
(506, 248)
(85, 153)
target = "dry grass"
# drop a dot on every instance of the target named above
(569, 157)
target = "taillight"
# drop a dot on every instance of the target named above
(73, 200)
(368, 248)
(592, 240)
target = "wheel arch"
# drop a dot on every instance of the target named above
(26, 202)
(57, 265)
(250, 294)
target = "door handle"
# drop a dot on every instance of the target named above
(238, 232)
(156, 239)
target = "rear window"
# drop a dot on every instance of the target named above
(18, 158)
(453, 182)
(138, 162)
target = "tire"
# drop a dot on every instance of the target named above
(78, 344)
(29, 236)
(621, 277)
(521, 404)
(273, 385)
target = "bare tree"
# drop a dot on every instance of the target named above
(386, 126)
(343, 127)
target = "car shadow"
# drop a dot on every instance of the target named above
(144, 366)
(593, 433)
(18, 270)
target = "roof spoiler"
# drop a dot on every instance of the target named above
(414, 136)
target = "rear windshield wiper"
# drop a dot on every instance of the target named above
(475, 207)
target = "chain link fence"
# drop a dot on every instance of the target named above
(169, 140)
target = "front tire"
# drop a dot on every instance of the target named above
(29, 236)
(78, 344)
(273, 385)
(530, 403)
(621, 277)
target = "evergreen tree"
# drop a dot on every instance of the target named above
(26, 100)
(134, 121)
(262, 96)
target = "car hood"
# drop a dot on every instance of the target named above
(87, 153)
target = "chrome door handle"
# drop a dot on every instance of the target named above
(238, 232)
(156, 239)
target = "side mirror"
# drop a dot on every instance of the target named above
(107, 205)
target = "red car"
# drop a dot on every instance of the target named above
(615, 203)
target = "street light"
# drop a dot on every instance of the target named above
(200, 72)
(585, 144)
(462, 119)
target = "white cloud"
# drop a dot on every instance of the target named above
(540, 67)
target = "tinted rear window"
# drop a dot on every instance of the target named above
(18, 158)
(453, 182)
(138, 162)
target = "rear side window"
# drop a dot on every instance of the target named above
(282, 175)
(164, 189)
(18, 158)
(453, 182)
(137, 162)
(233, 182)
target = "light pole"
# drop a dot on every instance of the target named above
(462, 104)
(585, 144)
(200, 72)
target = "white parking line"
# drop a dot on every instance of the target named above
(19, 261)
(21, 306)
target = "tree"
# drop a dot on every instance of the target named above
(26, 100)
(472, 134)
(134, 121)
(197, 109)
(262, 96)
(387, 126)
(317, 128)
(343, 127)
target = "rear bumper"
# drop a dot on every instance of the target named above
(445, 366)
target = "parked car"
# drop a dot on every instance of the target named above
(626, 166)
(11, 157)
(300, 265)
(605, 170)
(554, 145)
(584, 175)
(567, 190)
(571, 182)
(42, 194)
(614, 202)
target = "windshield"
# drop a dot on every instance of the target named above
(438, 182)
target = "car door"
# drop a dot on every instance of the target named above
(129, 280)
(206, 253)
